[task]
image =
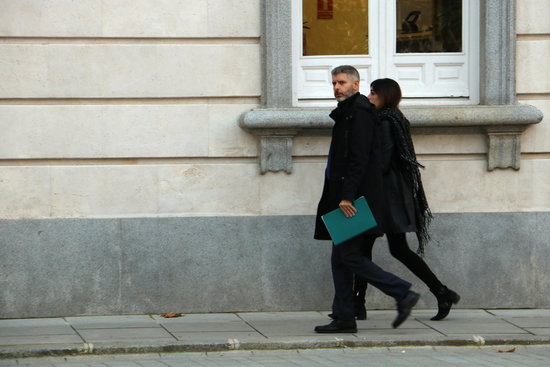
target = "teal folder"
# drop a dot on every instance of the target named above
(342, 228)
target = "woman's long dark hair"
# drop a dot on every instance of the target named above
(389, 94)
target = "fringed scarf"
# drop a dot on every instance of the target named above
(411, 172)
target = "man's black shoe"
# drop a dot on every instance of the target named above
(337, 326)
(404, 308)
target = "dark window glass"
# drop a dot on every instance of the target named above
(429, 26)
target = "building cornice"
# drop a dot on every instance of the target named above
(502, 124)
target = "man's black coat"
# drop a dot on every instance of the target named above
(354, 166)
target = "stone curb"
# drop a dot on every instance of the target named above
(88, 349)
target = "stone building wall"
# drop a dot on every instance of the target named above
(127, 185)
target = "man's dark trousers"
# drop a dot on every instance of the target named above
(347, 259)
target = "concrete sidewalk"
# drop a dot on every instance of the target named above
(87, 335)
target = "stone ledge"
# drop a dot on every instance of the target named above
(503, 125)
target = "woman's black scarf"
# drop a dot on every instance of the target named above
(411, 173)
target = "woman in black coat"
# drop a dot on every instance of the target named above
(406, 205)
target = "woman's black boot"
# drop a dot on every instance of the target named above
(445, 300)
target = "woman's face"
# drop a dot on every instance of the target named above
(375, 99)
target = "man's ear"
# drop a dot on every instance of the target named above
(356, 85)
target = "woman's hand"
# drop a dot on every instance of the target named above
(347, 208)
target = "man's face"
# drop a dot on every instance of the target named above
(344, 86)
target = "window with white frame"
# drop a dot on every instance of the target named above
(431, 47)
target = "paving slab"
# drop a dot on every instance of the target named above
(455, 314)
(36, 330)
(204, 323)
(273, 328)
(526, 312)
(475, 326)
(207, 327)
(34, 322)
(527, 322)
(199, 317)
(124, 334)
(373, 324)
(112, 322)
(399, 334)
(288, 316)
(39, 339)
(272, 324)
(541, 331)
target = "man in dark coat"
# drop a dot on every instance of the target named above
(354, 170)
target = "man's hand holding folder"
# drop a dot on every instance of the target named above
(350, 220)
(347, 208)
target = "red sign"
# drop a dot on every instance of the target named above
(324, 9)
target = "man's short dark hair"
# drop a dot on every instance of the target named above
(346, 69)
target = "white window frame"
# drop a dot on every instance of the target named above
(449, 78)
